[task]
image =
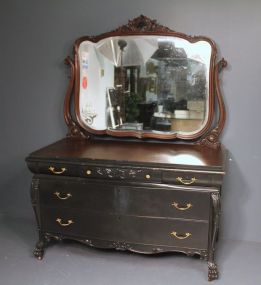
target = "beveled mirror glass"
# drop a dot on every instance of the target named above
(146, 82)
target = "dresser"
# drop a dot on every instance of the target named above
(129, 196)
(125, 185)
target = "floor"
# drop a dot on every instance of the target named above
(72, 263)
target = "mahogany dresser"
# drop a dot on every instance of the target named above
(129, 196)
(120, 181)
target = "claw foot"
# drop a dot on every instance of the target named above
(212, 271)
(38, 253)
(39, 249)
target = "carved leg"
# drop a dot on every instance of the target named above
(40, 245)
(212, 271)
(212, 266)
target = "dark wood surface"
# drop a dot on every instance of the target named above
(134, 229)
(110, 197)
(140, 196)
(128, 195)
(134, 153)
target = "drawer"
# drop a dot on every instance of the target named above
(100, 172)
(121, 173)
(108, 197)
(77, 193)
(140, 230)
(164, 201)
(192, 178)
(58, 169)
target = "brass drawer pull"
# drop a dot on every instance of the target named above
(186, 181)
(176, 205)
(147, 176)
(181, 236)
(52, 169)
(88, 172)
(59, 221)
(67, 196)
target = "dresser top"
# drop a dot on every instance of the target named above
(135, 153)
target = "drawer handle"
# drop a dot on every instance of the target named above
(176, 205)
(181, 236)
(186, 181)
(67, 196)
(59, 221)
(52, 169)
(88, 172)
(147, 176)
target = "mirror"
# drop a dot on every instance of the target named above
(144, 80)
(145, 83)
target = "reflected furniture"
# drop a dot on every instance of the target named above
(141, 167)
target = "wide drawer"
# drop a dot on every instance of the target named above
(158, 231)
(119, 198)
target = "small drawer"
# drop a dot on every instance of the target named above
(58, 169)
(139, 230)
(191, 178)
(121, 173)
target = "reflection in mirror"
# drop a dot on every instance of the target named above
(145, 83)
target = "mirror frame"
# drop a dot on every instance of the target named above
(144, 26)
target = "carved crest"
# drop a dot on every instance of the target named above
(142, 24)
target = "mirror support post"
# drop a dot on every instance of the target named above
(73, 128)
(212, 139)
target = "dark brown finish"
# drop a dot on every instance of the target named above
(131, 191)
(145, 197)
(73, 128)
(132, 154)
(145, 26)
(128, 229)
(123, 199)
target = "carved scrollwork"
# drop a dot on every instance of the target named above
(118, 245)
(221, 64)
(88, 242)
(157, 249)
(117, 172)
(212, 139)
(45, 238)
(142, 24)
(203, 254)
(75, 131)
